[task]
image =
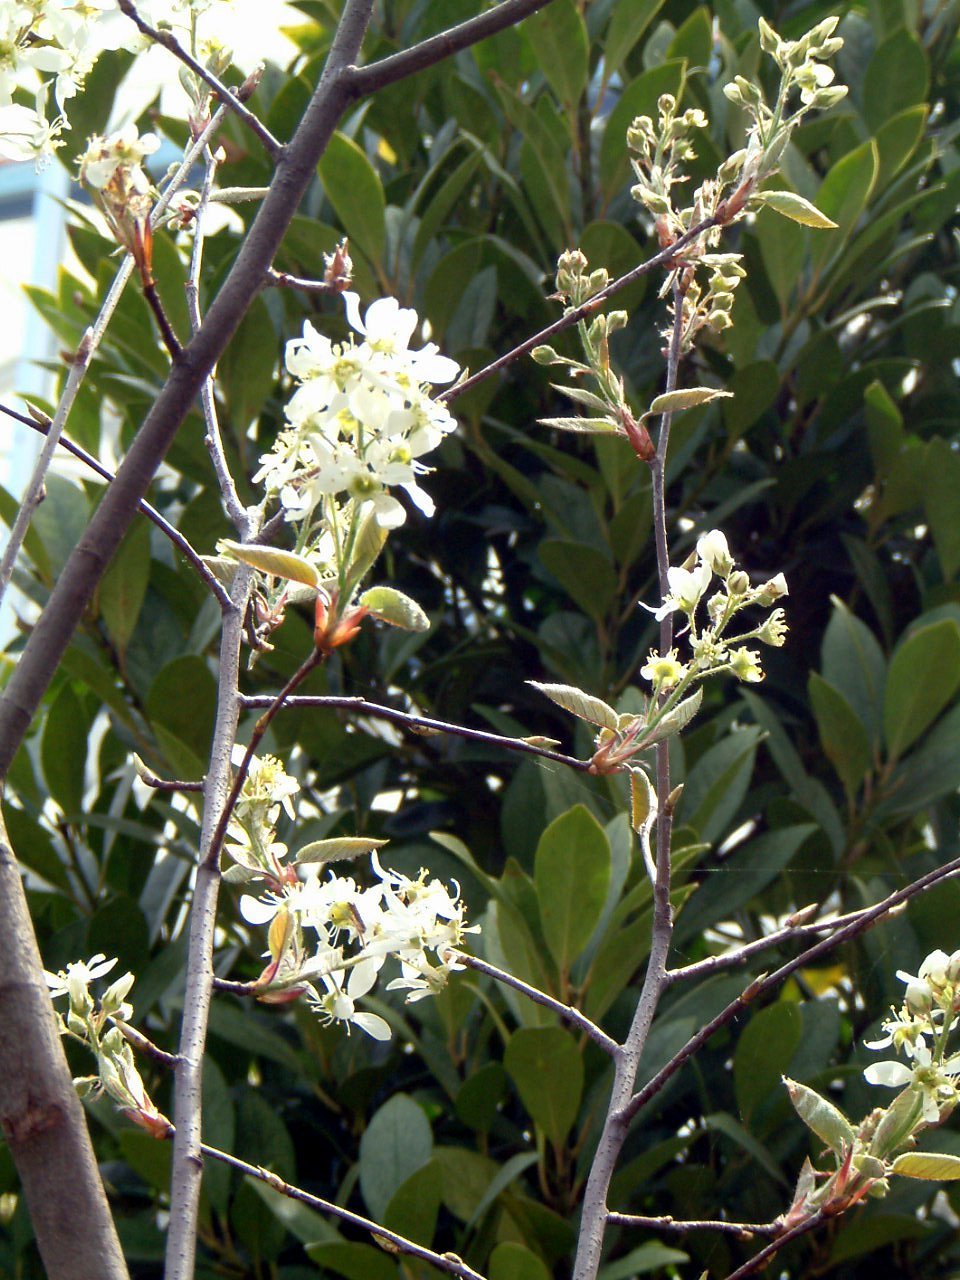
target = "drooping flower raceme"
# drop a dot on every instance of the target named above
(361, 417)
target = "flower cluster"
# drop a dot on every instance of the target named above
(920, 1030)
(329, 937)
(661, 151)
(112, 169)
(712, 650)
(100, 1025)
(360, 418)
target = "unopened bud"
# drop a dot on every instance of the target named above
(738, 584)
(544, 355)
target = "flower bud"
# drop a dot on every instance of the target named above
(544, 355)
(770, 591)
(769, 40)
(738, 584)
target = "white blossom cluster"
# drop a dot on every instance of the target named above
(712, 650)
(329, 937)
(920, 1030)
(361, 418)
(53, 45)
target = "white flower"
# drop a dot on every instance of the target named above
(712, 549)
(338, 1004)
(76, 978)
(388, 328)
(686, 586)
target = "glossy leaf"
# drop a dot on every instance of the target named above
(924, 675)
(789, 205)
(842, 733)
(393, 607)
(395, 1145)
(545, 1065)
(571, 873)
(354, 189)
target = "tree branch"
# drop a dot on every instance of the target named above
(565, 1011)
(170, 531)
(421, 724)
(229, 99)
(767, 982)
(575, 314)
(41, 1117)
(760, 1260)
(369, 79)
(213, 438)
(446, 1262)
(594, 1213)
(744, 1230)
(188, 1072)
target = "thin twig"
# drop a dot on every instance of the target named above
(444, 44)
(594, 1213)
(170, 339)
(198, 983)
(760, 1260)
(274, 705)
(768, 982)
(575, 314)
(790, 933)
(213, 438)
(565, 1011)
(146, 1046)
(169, 41)
(81, 362)
(681, 1226)
(34, 492)
(283, 280)
(422, 724)
(152, 514)
(449, 1263)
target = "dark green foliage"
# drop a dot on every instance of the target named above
(836, 463)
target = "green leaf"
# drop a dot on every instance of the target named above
(763, 1053)
(940, 486)
(898, 77)
(308, 1226)
(675, 720)
(652, 1256)
(783, 246)
(794, 207)
(247, 370)
(586, 574)
(742, 875)
(336, 849)
(354, 189)
(510, 1261)
(413, 1207)
(724, 1123)
(582, 426)
(571, 874)
(852, 660)
(478, 1102)
(843, 196)
(545, 1065)
(685, 398)
(627, 25)
(275, 561)
(842, 733)
(931, 1166)
(717, 783)
(559, 39)
(584, 705)
(444, 200)
(821, 1117)
(924, 675)
(124, 585)
(181, 705)
(353, 1261)
(755, 388)
(396, 609)
(63, 750)
(396, 1143)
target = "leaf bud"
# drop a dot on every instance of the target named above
(545, 355)
(769, 40)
